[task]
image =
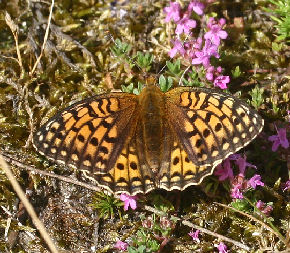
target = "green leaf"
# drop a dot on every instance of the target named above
(106, 205)
(144, 61)
(130, 88)
(161, 203)
(120, 49)
(138, 90)
(236, 72)
(127, 89)
(193, 80)
(174, 68)
(165, 84)
(257, 97)
(241, 205)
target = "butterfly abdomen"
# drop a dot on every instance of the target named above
(152, 118)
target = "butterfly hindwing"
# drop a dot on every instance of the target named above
(90, 134)
(177, 170)
(128, 174)
(211, 125)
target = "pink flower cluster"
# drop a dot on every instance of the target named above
(239, 183)
(198, 50)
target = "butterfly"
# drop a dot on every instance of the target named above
(138, 143)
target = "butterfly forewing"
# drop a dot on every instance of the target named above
(210, 125)
(90, 134)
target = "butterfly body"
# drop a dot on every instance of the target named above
(152, 122)
(137, 143)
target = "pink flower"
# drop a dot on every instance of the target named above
(286, 186)
(222, 248)
(236, 191)
(203, 56)
(212, 22)
(266, 209)
(184, 25)
(128, 201)
(194, 235)
(172, 12)
(216, 33)
(260, 204)
(177, 48)
(254, 181)
(121, 245)
(211, 72)
(279, 139)
(241, 162)
(224, 171)
(196, 6)
(221, 81)
(191, 47)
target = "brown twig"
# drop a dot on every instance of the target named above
(204, 230)
(36, 221)
(256, 220)
(13, 161)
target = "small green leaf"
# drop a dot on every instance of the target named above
(138, 90)
(240, 204)
(120, 49)
(130, 88)
(236, 72)
(275, 108)
(144, 61)
(127, 89)
(257, 97)
(174, 68)
(165, 84)
(277, 46)
(106, 205)
(162, 204)
(193, 80)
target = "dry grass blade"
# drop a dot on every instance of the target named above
(28, 206)
(14, 29)
(45, 38)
